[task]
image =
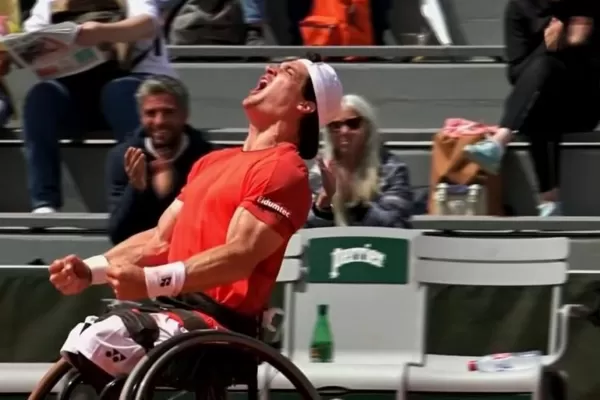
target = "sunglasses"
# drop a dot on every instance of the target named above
(351, 123)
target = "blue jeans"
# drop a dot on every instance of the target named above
(49, 113)
(253, 11)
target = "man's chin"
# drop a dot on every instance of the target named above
(250, 101)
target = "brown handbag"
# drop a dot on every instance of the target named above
(449, 164)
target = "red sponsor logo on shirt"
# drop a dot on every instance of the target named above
(271, 205)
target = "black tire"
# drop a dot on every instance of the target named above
(74, 379)
(139, 383)
(54, 375)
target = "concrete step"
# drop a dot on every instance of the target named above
(17, 248)
(84, 178)
(416, 96)
(475, 22)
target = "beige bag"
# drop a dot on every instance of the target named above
(449, 167)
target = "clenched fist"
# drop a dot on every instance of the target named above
(70, 275)
(127, 281)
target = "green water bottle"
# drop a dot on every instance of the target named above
(321, 347)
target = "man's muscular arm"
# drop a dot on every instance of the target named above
(249, 241)
(150, 247)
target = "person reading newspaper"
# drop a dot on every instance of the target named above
(86, 101)
(215, 254)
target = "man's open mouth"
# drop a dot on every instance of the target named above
(263, 82)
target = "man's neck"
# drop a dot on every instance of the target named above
(260, 140)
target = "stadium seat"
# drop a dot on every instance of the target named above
(499, 263)
(362, 275)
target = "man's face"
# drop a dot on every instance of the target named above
(278, 95)
(163, 119)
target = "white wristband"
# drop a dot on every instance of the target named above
(98, 265)
(165, 280)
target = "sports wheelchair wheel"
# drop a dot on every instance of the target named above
(141, 380)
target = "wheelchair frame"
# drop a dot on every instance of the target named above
(140, 381)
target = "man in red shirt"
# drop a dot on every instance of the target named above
(214, 256)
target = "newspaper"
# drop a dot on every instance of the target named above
(51, 52)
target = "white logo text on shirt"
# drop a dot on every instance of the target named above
(263, 201)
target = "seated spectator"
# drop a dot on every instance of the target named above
(357, 181)
(100, 98)
(147, 172)
(553, 50)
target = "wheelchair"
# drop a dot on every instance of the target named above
(208, 377)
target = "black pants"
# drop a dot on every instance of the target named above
(551, 96)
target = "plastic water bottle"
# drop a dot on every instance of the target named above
(473, 199)
(441, 194)
(506, 362)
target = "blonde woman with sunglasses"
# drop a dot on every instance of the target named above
(356, 181)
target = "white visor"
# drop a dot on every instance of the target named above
(328, 90)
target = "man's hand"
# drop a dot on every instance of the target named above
(135, 167)
(552, 34)
(4, 63)
(127, 281)
(70, 275)
(579, 30)
(89, 34)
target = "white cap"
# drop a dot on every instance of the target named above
(328, 90)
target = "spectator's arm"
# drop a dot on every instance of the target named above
(143, 22)
(317, 218)
(128, 207)
(129, 30)
(516, 35)
(393, 207)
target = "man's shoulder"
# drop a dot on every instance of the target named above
(284, 163)
(286, 156)
(223, 153)
(214, 156)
